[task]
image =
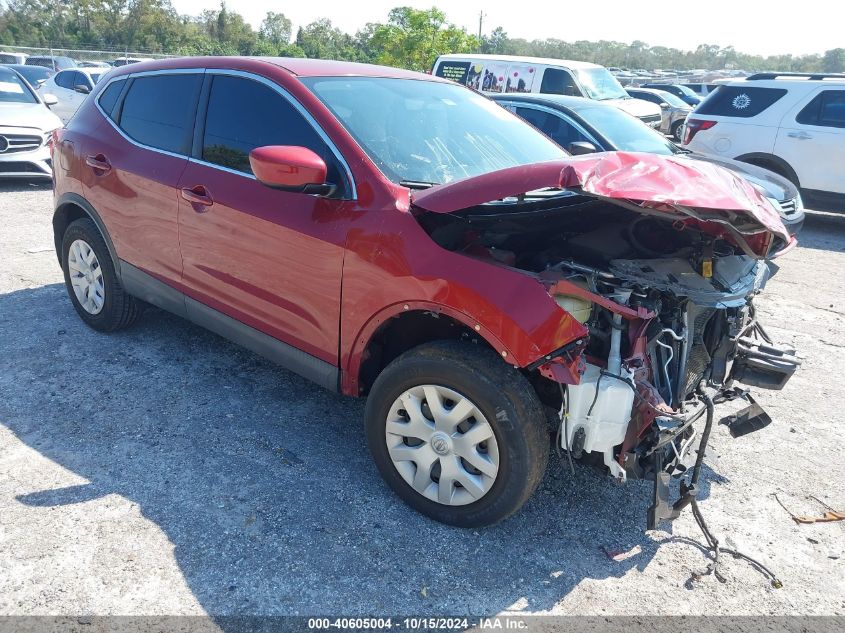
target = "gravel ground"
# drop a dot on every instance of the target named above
(163, 470)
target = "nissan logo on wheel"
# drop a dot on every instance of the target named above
(4, 144)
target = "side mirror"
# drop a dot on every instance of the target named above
(577, 148)
(82, 88)
(663, 105)
(49, 99)
(290, 168)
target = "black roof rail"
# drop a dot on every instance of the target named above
(810, 76)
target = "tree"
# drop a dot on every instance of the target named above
(834, 61)
(413, 38)
(321, 40)
(276, 28)
(496, 43)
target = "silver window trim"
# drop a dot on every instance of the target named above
(557, 113)
(353, 194)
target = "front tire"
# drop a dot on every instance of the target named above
(91, 280)
(457, 433)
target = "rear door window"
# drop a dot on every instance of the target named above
(244, 114)
(557, 81)
(159, 111)
(740, 101)
(827, 109)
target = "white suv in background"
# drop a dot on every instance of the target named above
(792, 124)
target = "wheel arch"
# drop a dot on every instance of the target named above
(71, 207)
(400, 327)
(773, 163)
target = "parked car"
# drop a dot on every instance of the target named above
(701, 90)
(674, 110)
(54, 63)
(89, 64)
(12, 58)
(394, 235)
(34, 75)
(26, 127)
(495, 74)
(124, 61)
(583, 126)
(682, 92)
(792, 124)
(70, 88)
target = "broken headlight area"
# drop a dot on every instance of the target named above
(669, 308)
(663, 333)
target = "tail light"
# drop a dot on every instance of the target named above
(693, 127)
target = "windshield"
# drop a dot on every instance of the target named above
(430, 132)
(625, 132)
(34, 74)
(13, 89)
(687, 91)
(599, 84)
(672, 100)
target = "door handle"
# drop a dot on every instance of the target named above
(799, 135)
(98, 163)
(197, 195)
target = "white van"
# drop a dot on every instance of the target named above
(508, 73)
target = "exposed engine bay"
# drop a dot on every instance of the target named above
(669, 308)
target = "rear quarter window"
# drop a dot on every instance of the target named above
(740, 101)
(108, 98)
(456, 71)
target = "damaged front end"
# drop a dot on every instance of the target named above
(661, 260)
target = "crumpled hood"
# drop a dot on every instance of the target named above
(658, 185)
(32, 115)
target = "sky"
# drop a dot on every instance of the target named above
(758, 27)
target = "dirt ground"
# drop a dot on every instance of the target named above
(163, 470)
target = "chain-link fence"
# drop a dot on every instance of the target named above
(84, 54)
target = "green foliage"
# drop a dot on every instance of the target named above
(834, 61)
(414, 38)
(410, 38)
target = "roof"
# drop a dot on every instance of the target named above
(655, 91)
(329, 68)
(295, 65)
(573, 103)
(517, 59)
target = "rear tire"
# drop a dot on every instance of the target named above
(91, 279)
(444, 471)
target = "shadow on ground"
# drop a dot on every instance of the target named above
(263, 481)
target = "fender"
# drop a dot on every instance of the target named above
(350, 375)
(59, 225)
(783, 168)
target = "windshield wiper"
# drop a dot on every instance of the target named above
(417, 184)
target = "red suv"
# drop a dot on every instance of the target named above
(394, 235)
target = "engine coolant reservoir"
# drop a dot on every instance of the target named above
(605, 426)
(579, 308)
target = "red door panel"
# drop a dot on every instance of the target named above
(136, 197)
(268, 258)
